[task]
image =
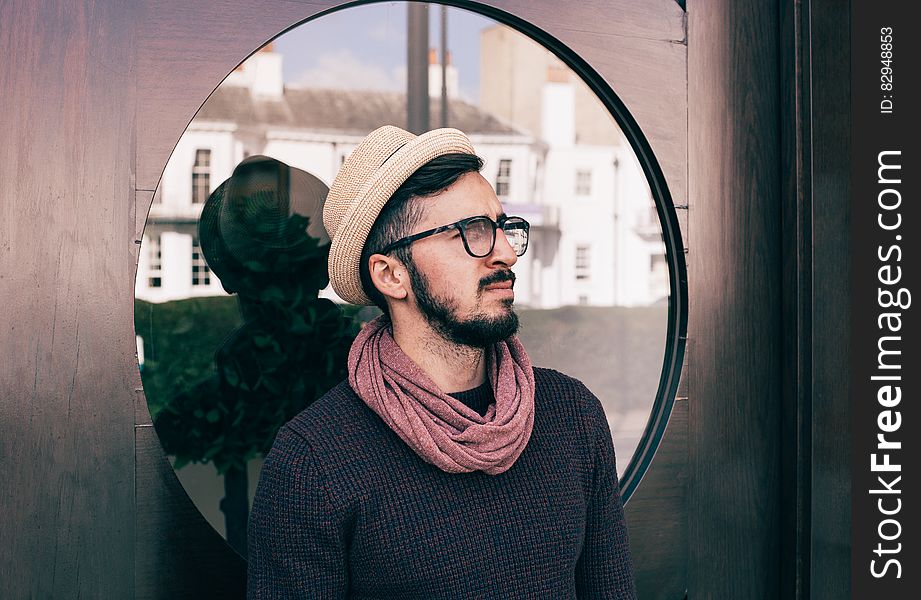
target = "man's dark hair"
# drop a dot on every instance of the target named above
(404, 210)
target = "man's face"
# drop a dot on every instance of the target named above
(467, 300)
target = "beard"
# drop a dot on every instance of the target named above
(479, 330)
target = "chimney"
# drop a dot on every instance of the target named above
(558, 108)
(261, 73)
(435, 76)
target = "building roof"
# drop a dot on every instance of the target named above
(340, 111)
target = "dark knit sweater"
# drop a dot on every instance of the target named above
(345, 509)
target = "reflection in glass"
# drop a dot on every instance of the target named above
(591, 291)
(261, 234)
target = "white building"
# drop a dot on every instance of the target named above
(577, 200)
(610, 250)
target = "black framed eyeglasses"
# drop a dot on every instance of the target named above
(478, 233)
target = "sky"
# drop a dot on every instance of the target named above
(364, 47)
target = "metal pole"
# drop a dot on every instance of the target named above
(417, 68)
(444, 66)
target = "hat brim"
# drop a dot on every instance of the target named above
(349, 241)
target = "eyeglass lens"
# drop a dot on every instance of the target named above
(480, 234)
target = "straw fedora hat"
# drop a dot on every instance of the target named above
(371, 174)
(264, 224)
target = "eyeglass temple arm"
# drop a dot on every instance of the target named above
(416, 236)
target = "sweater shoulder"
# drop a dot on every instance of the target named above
(553, 378)
(560, 394)
(554, 388)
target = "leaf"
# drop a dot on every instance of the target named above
(261, 341)
(214, 415)
(232, 377)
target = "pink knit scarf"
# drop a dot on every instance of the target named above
(442, 430)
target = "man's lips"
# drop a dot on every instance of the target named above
(500, 280)
(501, 283)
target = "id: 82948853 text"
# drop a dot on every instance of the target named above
(886, 70)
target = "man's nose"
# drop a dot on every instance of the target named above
(502, 252)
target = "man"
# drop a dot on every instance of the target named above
(445, 466)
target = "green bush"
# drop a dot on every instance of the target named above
(219, 389)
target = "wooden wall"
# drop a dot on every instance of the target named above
(735, 299)
(67, 96)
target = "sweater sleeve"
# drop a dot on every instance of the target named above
(604, 570)
(296, 543)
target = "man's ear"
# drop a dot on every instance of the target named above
(389, 276)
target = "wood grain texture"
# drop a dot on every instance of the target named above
(735, 300)
(831, 250)
(657, 515)
(795, 485)
(66, 343)
(178, 553)
(653, 19)
(815, 552)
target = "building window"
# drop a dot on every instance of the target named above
(201, 274)
(201, 176)
(155, 270)
(583, 300)
(583, 183)
(504, 177)
(583, 262)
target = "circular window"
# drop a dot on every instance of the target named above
(238, 329)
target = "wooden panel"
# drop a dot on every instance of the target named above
(797, 302)
(816, 486)
(657, 515)
(831, 415)
(653, 19)
(66, 264)
(179, 554)
(735, 318)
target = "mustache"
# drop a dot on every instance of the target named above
(497, 277)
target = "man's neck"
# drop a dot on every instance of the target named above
(452, 367)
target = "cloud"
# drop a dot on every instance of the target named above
(342, 70)
(388, 32)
